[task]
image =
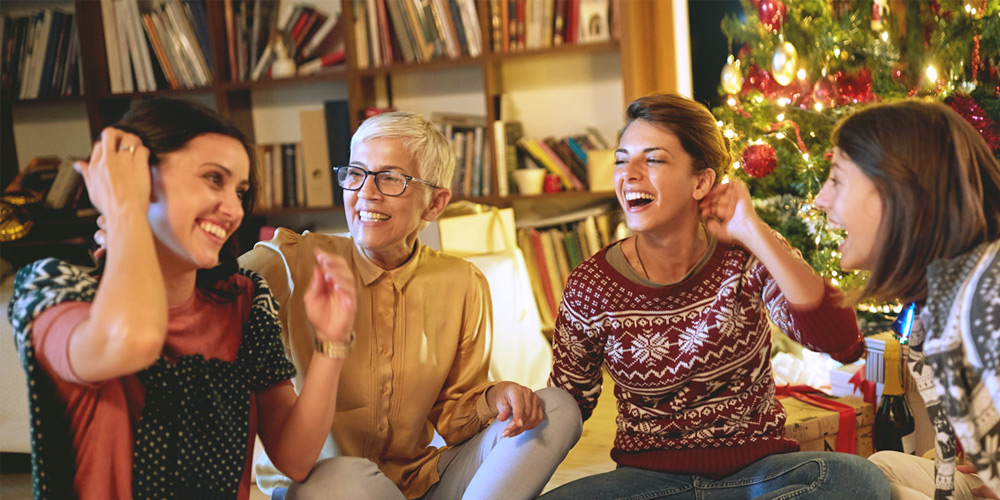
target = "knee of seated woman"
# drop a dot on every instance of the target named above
(561, 410)
(344, 477)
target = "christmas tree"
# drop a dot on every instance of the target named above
(801, 65)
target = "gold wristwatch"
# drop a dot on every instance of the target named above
(334, 349)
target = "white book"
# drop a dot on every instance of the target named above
(470, 21)
(124, 13)
(144, 57)
(111, 46)
(171, 45)
(443, 13)
(123, 52)
(29, 87)
(500, 146)
(188, 43)
(547, 10)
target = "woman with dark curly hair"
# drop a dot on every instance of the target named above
(151, 376)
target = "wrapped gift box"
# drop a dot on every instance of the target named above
(816, 429)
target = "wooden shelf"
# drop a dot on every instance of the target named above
(284, 211)
(366, 88)
(580, 48)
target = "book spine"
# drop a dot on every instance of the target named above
(288, 181)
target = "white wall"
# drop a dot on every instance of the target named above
(276, 110)
(44, 129)
(559, 96)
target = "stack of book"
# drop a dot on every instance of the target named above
(41, 55)
(163, 44)
(566, 157)
(301, 174)
(310, 34)
(519, 25)
(552, 252)
(391, 31)
(473, 163)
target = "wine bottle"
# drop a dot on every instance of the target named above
(894, 425)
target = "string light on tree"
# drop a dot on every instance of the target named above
(847, 54)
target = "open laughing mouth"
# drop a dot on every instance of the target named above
(636, 199)
(367, 216)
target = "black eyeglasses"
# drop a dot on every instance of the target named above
(388, 182)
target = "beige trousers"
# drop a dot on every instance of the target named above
(912, 477)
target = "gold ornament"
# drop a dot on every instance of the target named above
(15, 222)
(783, 63)
(732, 77)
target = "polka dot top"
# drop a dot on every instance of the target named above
(192, 437)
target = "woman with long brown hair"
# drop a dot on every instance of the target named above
(917, 191)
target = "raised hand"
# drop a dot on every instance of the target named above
(330, 299)
(117, 175)
(509, 399)
(729, 213)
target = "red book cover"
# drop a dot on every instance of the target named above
(543, 269)
(572, 21)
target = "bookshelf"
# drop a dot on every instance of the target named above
(488, 84)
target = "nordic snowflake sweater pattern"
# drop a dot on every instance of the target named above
(690, 361)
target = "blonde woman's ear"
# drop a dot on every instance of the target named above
(439, 200)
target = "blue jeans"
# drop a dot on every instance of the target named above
(805, 475)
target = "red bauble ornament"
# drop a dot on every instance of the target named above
(974, 114)
(759, 160)
(855, 88)
(826, 91)
(758, 79)
(772, 14)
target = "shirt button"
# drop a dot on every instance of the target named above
(381, 427)
(385, 389)
(385, 351)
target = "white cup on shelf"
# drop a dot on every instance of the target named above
(529, 180)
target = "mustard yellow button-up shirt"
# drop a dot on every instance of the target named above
(420, 360)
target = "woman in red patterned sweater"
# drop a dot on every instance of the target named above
(678, 315)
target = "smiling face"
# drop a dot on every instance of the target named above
(196, 201)
(852, 203)
(654, 180)
(386, 227)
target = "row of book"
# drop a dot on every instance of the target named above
(518, 25)
(300, 174)
(41, 55)
(260, 33)
(473, 162)
(160, 44)
(551, 253)
(566, 157)
(391, 31)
